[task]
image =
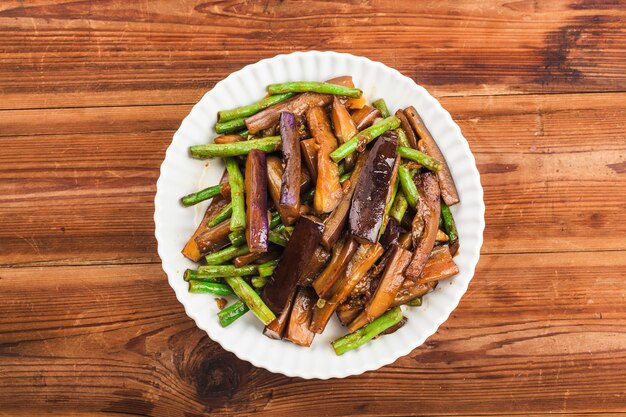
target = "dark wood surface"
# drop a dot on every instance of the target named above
(91, 93)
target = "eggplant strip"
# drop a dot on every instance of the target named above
(346, 313)
(364, 117)
(336, 221)
(368, 203)
(290, 270)
(276, 328)
(315, 265)
(440, 265)
(308, 149)
(296, 105)
(390, 283)
(291, 178)
(300, 318)
(412, 291)
(214, 238)
(344, 127)
(428, 145)
(408, 130)
(335, 269)
(328, 189)
(363, 260)
(191, 250)
(257, 224)
(427, 217)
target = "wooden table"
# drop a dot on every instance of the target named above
(91, 93)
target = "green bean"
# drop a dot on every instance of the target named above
(195, 198)
(214, 271)
(230, 126)
(226, 254)
(399, 207)
(368, 332)
(221, 215)
(251, 298)
(192, 274)
(231, 313)
(267, 269)
(237, 238)
(198, 287)
(223, 150)
(402, 139)
(249, 110)
(235, 179)
(408, 186)
(420, 157)
(259, 282)
(364, 137)
(313, 86)
(382, 107)
(448, 222)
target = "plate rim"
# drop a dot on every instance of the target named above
(375, 363)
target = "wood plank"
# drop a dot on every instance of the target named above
(110, 53)
(115, 339)
(76, 185)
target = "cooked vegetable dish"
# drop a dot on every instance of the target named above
(328, 205)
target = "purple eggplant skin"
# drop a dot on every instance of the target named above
(392, 233)
(298, 329)
(290, 185)
(336, 221)
(214, 238)
(298, 105)
(257, 227)
(293, 264)
(370, 194)
(276, 329)
(426, 222)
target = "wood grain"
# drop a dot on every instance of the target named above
(114, 52)
(78, 187)
(92, 93)
(123, 344)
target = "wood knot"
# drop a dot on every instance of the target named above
(217, 377)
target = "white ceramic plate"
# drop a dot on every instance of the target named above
(181, 175)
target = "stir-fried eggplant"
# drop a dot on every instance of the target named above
(427, 219)
(328, 189)
(336, 221)
(296, 105)
(408, 130)
(344, 126)
(191, 250)
(364, 117)
(309, 154)
(389, 285)
(411, 290)
(370, 195)
(440, 265)
(369, 176)
(392, 234)
(428, 145)
(364, 258)
(290, 270)
(257, 225)
(335, 268)
(300, 318)
(276, 329)
(290, 185)
(214, 238)
(316, 263)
